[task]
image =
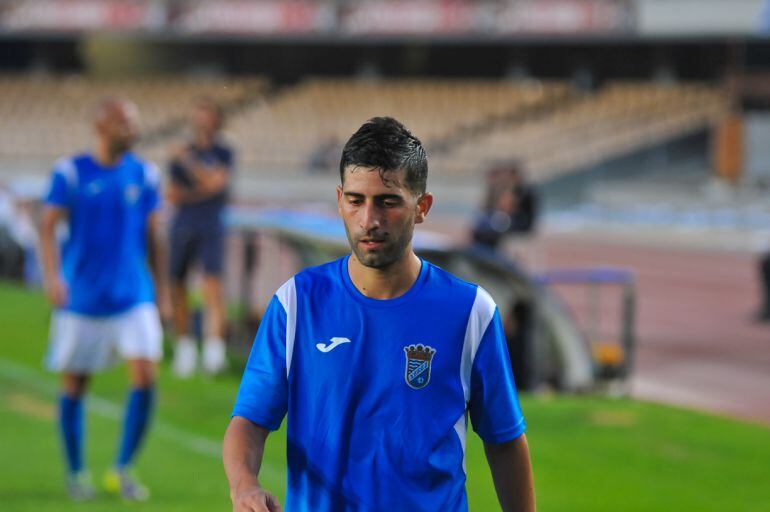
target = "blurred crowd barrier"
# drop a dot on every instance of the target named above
(46, 118)
(345, 17)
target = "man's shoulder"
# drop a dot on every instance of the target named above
(457, 292)
(319, 275)
(312, 279)
(131, 159)
(220, 150)
(440, 278)
(145, 168)
(68, 165)
(225, 154)
(306, 282)
(223, 147)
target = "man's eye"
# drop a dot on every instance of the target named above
(355, 201)
(390, 204)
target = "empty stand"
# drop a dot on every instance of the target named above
(465, 124)
(284, 133)
(46, 117)
(617, 120)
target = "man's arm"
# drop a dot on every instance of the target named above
(158, 264)
(206, 185)
(55, 289)
(206, 181)
(242, 452)
(512, 474)
(177, 194)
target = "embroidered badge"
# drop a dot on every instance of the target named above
(418, 360)
(132, 193)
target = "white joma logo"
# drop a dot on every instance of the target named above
(335, 342)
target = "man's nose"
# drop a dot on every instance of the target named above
(370, 218)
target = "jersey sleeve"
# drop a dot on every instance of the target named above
(151, 197)
(494, 404)
(263, 394)
(59, 193)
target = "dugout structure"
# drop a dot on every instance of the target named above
(548, 345)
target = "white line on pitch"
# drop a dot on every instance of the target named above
(110, 410)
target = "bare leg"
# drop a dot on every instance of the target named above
(181, 311)
(142, 373)
(185, 351)
(213, 301)
(214, 360)
(75, 385)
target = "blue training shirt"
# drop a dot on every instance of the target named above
(104, 259)
(377, 391)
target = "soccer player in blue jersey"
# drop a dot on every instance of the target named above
(101, 288)
(378, 359)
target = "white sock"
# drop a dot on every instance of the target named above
(214, 340)
(185, 340)
(214, 355)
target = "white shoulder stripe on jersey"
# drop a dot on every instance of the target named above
(287, 296)
(151, 175)
(66, 167)
(481, 315)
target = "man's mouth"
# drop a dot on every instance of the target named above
(372, 243)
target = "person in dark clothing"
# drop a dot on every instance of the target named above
(200, 173)
(763, 314)
(510, 207)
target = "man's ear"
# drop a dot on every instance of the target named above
(339, 199)
(424, 204)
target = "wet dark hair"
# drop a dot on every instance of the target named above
(384, 144)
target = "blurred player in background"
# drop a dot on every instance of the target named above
(377, 358)
(763, 313)
(101, 287)
(200, 175)
(510, 207)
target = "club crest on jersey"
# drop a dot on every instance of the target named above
(132, 193)
(418, 360)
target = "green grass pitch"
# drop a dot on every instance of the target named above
(589, 454)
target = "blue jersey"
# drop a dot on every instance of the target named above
(104, 259)
(378, 392)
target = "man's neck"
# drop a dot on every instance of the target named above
(385, 283)
(204, 141)
(105, 157)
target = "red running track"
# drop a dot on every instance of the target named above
(697, 344)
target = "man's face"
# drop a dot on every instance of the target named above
(379, 215)
(205, 120)
(118, 125)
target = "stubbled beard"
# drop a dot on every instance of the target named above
(121, 146)
(391, 251)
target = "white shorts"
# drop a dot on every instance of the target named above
(86, 344)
